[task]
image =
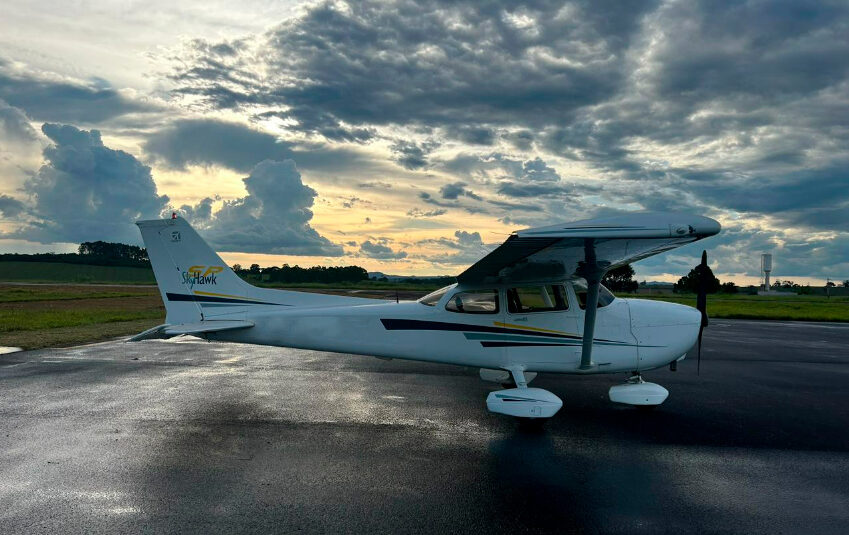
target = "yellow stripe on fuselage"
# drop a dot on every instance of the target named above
(526, 328)
(212, 294)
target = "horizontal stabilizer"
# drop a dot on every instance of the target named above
(201, 327)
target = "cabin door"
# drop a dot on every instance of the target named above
(541, 328)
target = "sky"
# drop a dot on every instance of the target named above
(411, 137)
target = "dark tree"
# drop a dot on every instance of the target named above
(728, 288)
(297, 274)
(116, 251)
(690, 282)
(620, 279)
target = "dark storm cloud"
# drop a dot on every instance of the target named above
(751, 49)
(511, 178)
(499, 166)
(512, 189)
(412, 155)
(272, 218)
(377, 63)
(457, 189)
(240, 147)
(537, 170)
(208, 141)
(198, 214)
(14, 125)
(776, 195)
(472, 135)
(454, 203)
(86, 191)
(380, 251)
(464, 248)
(520, 140)
(10, 207)
(46, 99)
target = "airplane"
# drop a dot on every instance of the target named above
(533, 305)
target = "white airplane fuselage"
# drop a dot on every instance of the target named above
(630, 334)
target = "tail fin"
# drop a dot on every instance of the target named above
(195, 283)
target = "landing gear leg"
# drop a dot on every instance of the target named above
(518, 374)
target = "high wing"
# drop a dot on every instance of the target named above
(587, 249)
(583, 248)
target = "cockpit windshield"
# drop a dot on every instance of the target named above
(604, 295)
(432, 298)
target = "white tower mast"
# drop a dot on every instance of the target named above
(766, 268)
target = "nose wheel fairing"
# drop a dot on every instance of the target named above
(638, 392)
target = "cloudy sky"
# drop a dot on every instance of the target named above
(411, 137)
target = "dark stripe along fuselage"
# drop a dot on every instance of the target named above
(556, 339)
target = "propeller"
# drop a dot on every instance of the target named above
(701, 304)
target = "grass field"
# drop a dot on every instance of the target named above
(799, 308)
(35, 316)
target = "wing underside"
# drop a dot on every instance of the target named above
(574, 249)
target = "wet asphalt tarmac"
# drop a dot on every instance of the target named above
(193, 436)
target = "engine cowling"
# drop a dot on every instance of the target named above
(524, 402)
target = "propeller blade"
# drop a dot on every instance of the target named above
(699, 354)
(701, 306)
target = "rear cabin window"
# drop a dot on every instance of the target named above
(474, 302)
(604, 295)
(547, 298)
(432, 298)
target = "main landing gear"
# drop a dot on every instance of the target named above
(522, 401)
(637, 392)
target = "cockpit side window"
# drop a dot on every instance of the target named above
(432, 298)
(604, 295)
(540, 298)
(474, 302)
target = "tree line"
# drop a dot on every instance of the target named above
(97, 253)
(297, 274)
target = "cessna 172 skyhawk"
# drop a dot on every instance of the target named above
(534, 304)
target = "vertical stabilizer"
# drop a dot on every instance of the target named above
(194, 281)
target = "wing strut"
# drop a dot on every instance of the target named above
(593, 272)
